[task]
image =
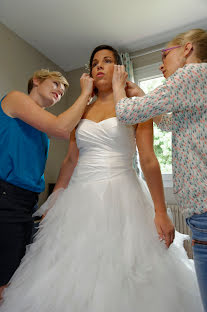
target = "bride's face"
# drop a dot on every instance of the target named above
(102, 69)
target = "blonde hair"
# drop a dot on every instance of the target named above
(198, 37)
(44, 74)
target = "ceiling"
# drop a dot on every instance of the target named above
(66, 31)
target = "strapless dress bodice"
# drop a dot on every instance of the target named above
(106, 149)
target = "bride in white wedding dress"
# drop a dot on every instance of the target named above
(98, 248)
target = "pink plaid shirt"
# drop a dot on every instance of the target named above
(185, 95)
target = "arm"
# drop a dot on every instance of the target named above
(184, 90)
(164, 122)
(157, 119)
(68, 164)
(22, 106)
(66, 171)
(140, 109)
(151, 170)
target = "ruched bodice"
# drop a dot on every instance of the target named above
(106, 149)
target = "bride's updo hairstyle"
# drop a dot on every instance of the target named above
(105, 47)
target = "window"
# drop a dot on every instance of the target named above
(162, 140)
(148, 78)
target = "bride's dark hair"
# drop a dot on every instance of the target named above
(105, 47)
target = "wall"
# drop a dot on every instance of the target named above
(74, 81)
(147, 56)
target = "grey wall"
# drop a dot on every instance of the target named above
(74, 81)
(147, 56)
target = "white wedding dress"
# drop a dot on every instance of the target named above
(97, 249)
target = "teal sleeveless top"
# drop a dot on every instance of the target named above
(23, 155)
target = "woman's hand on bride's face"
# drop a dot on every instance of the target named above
(119, 77)
(165, 228)
(132, 89)
(87, 85)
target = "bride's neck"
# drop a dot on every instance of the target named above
(105, 96)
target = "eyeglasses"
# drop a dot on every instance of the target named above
(168, 49)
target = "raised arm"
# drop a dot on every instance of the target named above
(151, 170)
(19, 105)
(68, 164)
(184, 90)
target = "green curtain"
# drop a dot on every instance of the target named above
(126, 61)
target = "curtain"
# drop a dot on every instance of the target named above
(126, 61)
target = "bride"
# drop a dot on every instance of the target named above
(103, 244)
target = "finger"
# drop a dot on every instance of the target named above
(164, 237)
(172, 236)
(122, 67)
(129, 83)
(168, 240)
(43, 216)
(118, 68)
(161, 239)
(115, 68)
(161, 236)
(159, 232)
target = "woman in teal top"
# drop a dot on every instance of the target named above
(24, 130)
(24, 151)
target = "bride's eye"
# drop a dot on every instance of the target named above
(108, 60)
(94, 64)
(56, 83)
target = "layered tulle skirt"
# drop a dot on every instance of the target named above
(97, 250)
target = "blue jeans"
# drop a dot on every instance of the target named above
(16, 206)
(198, 226)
